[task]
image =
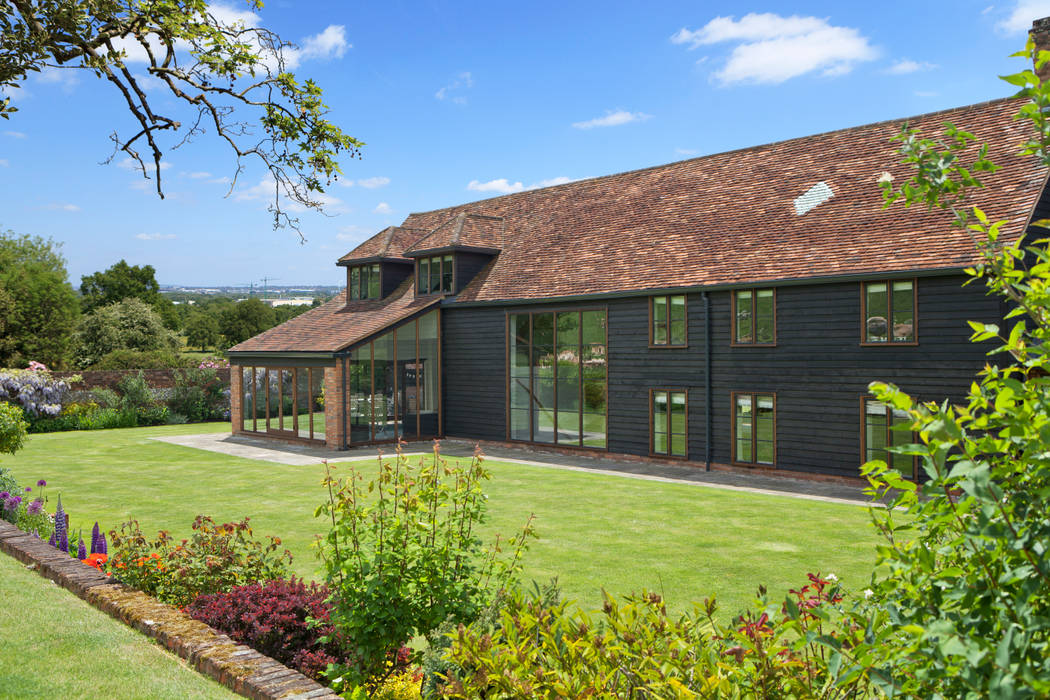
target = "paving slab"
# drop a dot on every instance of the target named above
(303, 455)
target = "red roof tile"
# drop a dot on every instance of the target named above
(464, 230)
(390, 243)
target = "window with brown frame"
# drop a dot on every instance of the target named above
(434, 275)
(669, 421)
(754, 429)
(884, 427)
(754, 317)
(888, 310)
(363, 282)
(667, 322)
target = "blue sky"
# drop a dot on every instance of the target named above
(463, 101)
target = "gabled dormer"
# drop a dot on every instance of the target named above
(449, 257)
(378, 266)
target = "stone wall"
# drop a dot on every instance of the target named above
(108, 379)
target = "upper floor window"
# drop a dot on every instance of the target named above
(434, 275)
(754, 429)
(669, 424)
(364, 281)
(667, 324)
(885, 427)
(888, 312)
(754, 317)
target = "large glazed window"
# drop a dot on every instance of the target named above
(754, 429)
(363, 282)
(434, 275)
(557, 379)
(754, 317)
(284, 401)
(669, 422)
(886, 427)
(667, 321)
(888, 312)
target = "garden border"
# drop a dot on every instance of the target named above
(236, 666)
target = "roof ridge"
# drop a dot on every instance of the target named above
(746, 149)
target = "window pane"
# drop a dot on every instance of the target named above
(765, 418)
(678, 445)
(660, 412)
(764, 321)
(543, 329)
(302, 400)
(743, 317)
(355, 283)
(659, 320)
(423, 285)
(446, 274)
(568, 329)
(742, 412)
(876, 323)
(903, 312)
(568, 387)
(429, 371)
(660, 443)
(373, 282)
(247, 391)
(874, 430)
(435, 274)
(359, 390)
(678, 413)
(544, 430)
(677, 321)
(519, 424)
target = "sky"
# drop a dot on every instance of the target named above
(460, 101)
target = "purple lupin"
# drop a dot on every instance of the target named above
(94, 539)
(103, 548)
(61, 528)
(51, 540)
(81, 550)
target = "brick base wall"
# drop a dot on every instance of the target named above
(333, 406)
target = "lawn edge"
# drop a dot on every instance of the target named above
(210, 652)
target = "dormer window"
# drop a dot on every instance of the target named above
(364, 282)
(434, 275)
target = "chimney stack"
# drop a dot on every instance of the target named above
(1041, 36)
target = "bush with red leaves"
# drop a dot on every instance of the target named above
(272, 619)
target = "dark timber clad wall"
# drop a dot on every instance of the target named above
(818, 369)
(468, 265)
(393, 275)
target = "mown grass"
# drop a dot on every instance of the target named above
(57, 646)
(595, 531)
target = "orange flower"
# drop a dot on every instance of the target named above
(97, 560)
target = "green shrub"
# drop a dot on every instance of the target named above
(97, 419)
(200, 395)
(215, 559)
(13, 428)
(141, 359)
(105, 398)
(406, 558)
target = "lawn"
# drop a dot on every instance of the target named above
(595, 531)
(56, 645)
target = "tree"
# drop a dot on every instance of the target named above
(38, 307)
(126, 325)
(202, 330)
(245, 319)
(119, 282)
(215, 68)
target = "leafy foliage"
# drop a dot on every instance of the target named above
(126, 325)
(212, 68)
(13, 428)
(964, 574)
(245, 319)
(216, 558)
(38, 307)
(117, 283)
(403, 556)
(202, 330)
(200, 395)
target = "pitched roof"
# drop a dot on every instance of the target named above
(730, 218)
(337, 324)
(389, 244)
(464, 230)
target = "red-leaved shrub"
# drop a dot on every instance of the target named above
(271, 618)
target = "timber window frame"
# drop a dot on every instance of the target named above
(906, 465)
(755, 447)
(666, 416)
(364, 282)
(752, 323)
(892, 320)
(435, 274)
(666, 315)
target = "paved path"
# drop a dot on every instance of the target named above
(286, 453)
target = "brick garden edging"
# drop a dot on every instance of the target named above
(239, 668)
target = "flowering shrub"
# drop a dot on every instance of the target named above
(214, 363)
(200, 395)
(216, 558)
(35, 390)
(275, 618)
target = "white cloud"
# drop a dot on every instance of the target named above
(148, 82)
(15, 134)
(383, 208)
(686, 151)
(503, 186)
(331, 43)
(266, 189)
(199, 175)
(155, 236)
(612, 118)
(464, 81)
(58, 206)
(1020, 19)
(65, 78)
(906, 65)
(372, 183)
(773, 48)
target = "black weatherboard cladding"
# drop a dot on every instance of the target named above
(818, 368)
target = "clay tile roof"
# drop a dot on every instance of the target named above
(464, 230)
(731, 218)
(389, 244)
(337, 324)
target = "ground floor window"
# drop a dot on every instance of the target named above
(754, 429)
(557, 381)
(885, 427)
(669, 411)
(283, 401)
(393, 384)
